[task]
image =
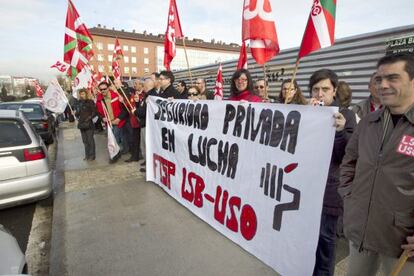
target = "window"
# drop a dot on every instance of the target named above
(111, 47)
(134, 70)
(110, 58)
(101, 68)
(125, 48)
(13, 133)
(146, 60)
(100, 57)
(145, 50)
(99, 45)
(126, 59)
(146, 70)
(126, 70)
(133, 49)
(133, 60)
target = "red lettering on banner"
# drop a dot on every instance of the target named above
(231, 222)
(166, 169)
(192, 189)
(406, 146)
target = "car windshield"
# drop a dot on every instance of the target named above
(30, 110)
(12, 133)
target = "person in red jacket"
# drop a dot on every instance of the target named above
(112, 102)
(241, 88)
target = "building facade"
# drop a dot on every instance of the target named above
(17, 86)
(144, 53)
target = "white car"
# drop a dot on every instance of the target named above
(25, 175)
(12, 260)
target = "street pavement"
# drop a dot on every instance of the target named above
(107, 220)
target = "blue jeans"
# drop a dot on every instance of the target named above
(325, 252)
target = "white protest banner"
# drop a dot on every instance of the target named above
(113, 146)
(82, 80)
(256, 172)
(54, 98)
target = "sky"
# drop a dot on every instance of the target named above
(32, 31)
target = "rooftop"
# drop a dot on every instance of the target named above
(159, 38)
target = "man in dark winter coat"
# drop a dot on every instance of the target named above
(167, 88)
(377, 175)
(323, 85)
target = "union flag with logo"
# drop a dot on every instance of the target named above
(258, 25)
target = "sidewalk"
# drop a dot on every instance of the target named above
(107, 220)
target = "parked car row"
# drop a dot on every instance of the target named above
(25, 175)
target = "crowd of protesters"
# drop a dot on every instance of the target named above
(369, 193)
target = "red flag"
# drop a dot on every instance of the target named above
(173, 31)
(259, 26)
(39, 90)
(242, 64)
(218, 90)
(320, 30)
(60, 66)
(118, 54)
(78, 42)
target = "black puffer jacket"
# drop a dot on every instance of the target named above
(332, 202)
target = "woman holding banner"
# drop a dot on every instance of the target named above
(241, 88)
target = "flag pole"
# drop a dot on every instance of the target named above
(400, 264)
(265, 81)
(288, 100)
(186, 59)
(108, 120)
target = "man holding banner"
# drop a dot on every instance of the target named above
(323, 85)
(377, 179)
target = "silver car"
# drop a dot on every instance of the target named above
(12, 260)
(25, 175)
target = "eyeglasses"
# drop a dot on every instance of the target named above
(103, 89)
(259, 86)
(193, 94)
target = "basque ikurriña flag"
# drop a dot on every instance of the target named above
(320, 30)
(78, 42)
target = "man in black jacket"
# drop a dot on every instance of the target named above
(167, 88)
(323, 85)
(140, 112)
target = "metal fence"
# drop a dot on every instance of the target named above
(353, 59)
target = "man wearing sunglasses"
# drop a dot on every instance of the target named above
(261, 88)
